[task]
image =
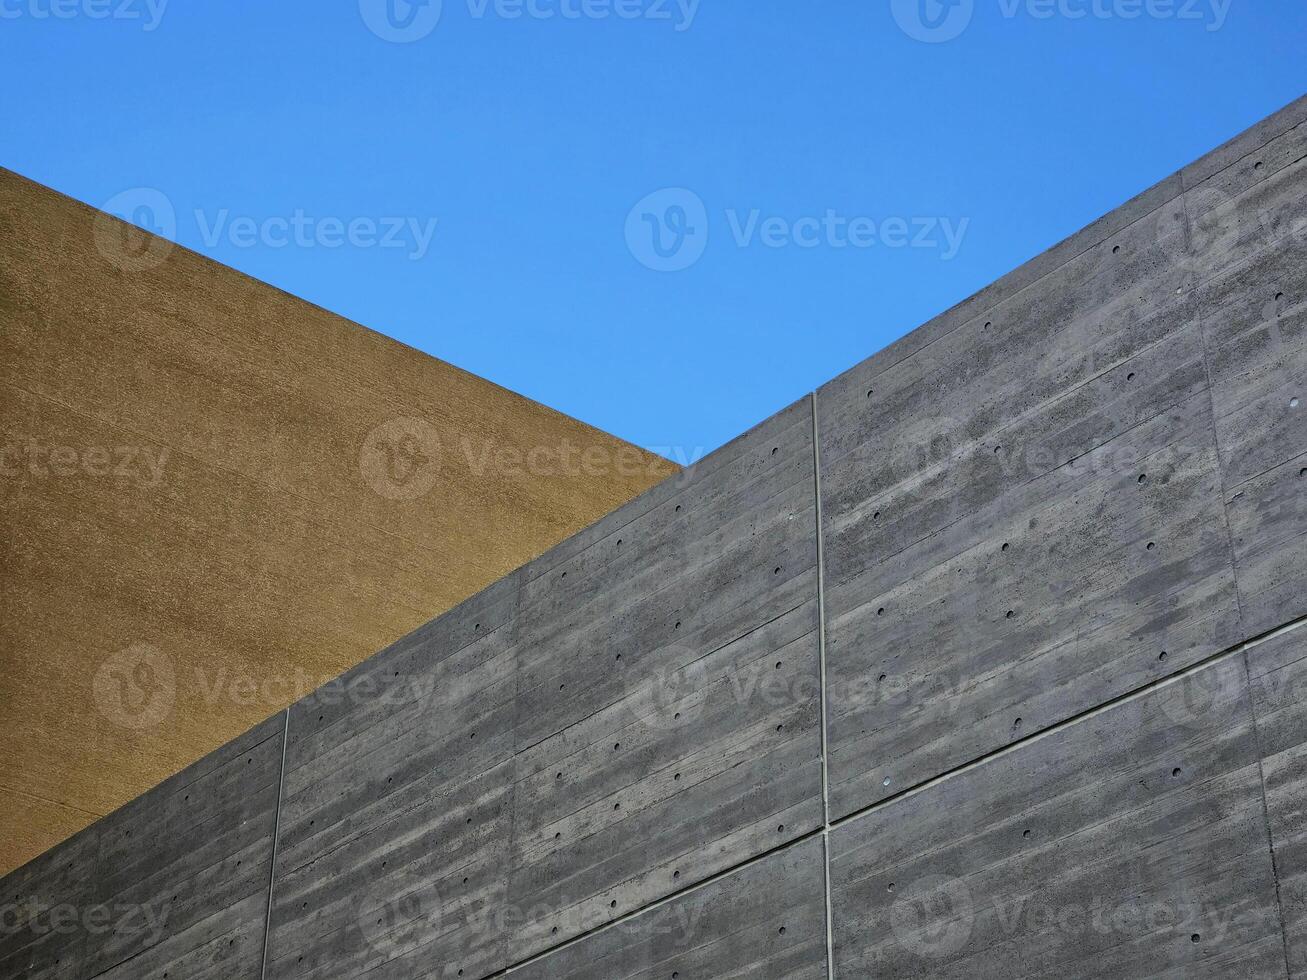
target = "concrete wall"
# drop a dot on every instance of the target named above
(984, 661)
(201, 523)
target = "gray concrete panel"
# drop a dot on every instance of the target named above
(47, 910)
(1250, 232)
(1235, 149)
(186, 869)
(1084, 479)
(669, 713)
(765, 920)
(395, 817)
(1021, 520)
(1130, 843)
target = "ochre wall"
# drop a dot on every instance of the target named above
(214, 495)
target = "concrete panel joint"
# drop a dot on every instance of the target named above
(984, 660)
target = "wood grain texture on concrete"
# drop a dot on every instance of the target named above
(47, 911)
(631, 713)
(1050, 750)
(1022, 518)
(239, 490)
(395, 822)
(669, 705)
(764, 920)
(187, 868)
(174, 884)
(1130, 843)
(1278, 674)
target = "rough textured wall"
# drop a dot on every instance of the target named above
(986, 660)
(216, 496)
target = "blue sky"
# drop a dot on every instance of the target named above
(669, 218)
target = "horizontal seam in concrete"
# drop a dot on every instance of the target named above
(1239, 648)
(1030, 285)
(622, 695)
(666, 900)
(823, 832)
(944, 464)
(1238, 160)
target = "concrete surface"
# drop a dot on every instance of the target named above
(984, 661)
(201, 520)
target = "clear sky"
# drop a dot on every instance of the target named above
(669, 218)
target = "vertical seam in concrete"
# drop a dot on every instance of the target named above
(821, 660)
(656, 904)
(1187, 225)
(1266, 811)
(276, 835)
(519, 587)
